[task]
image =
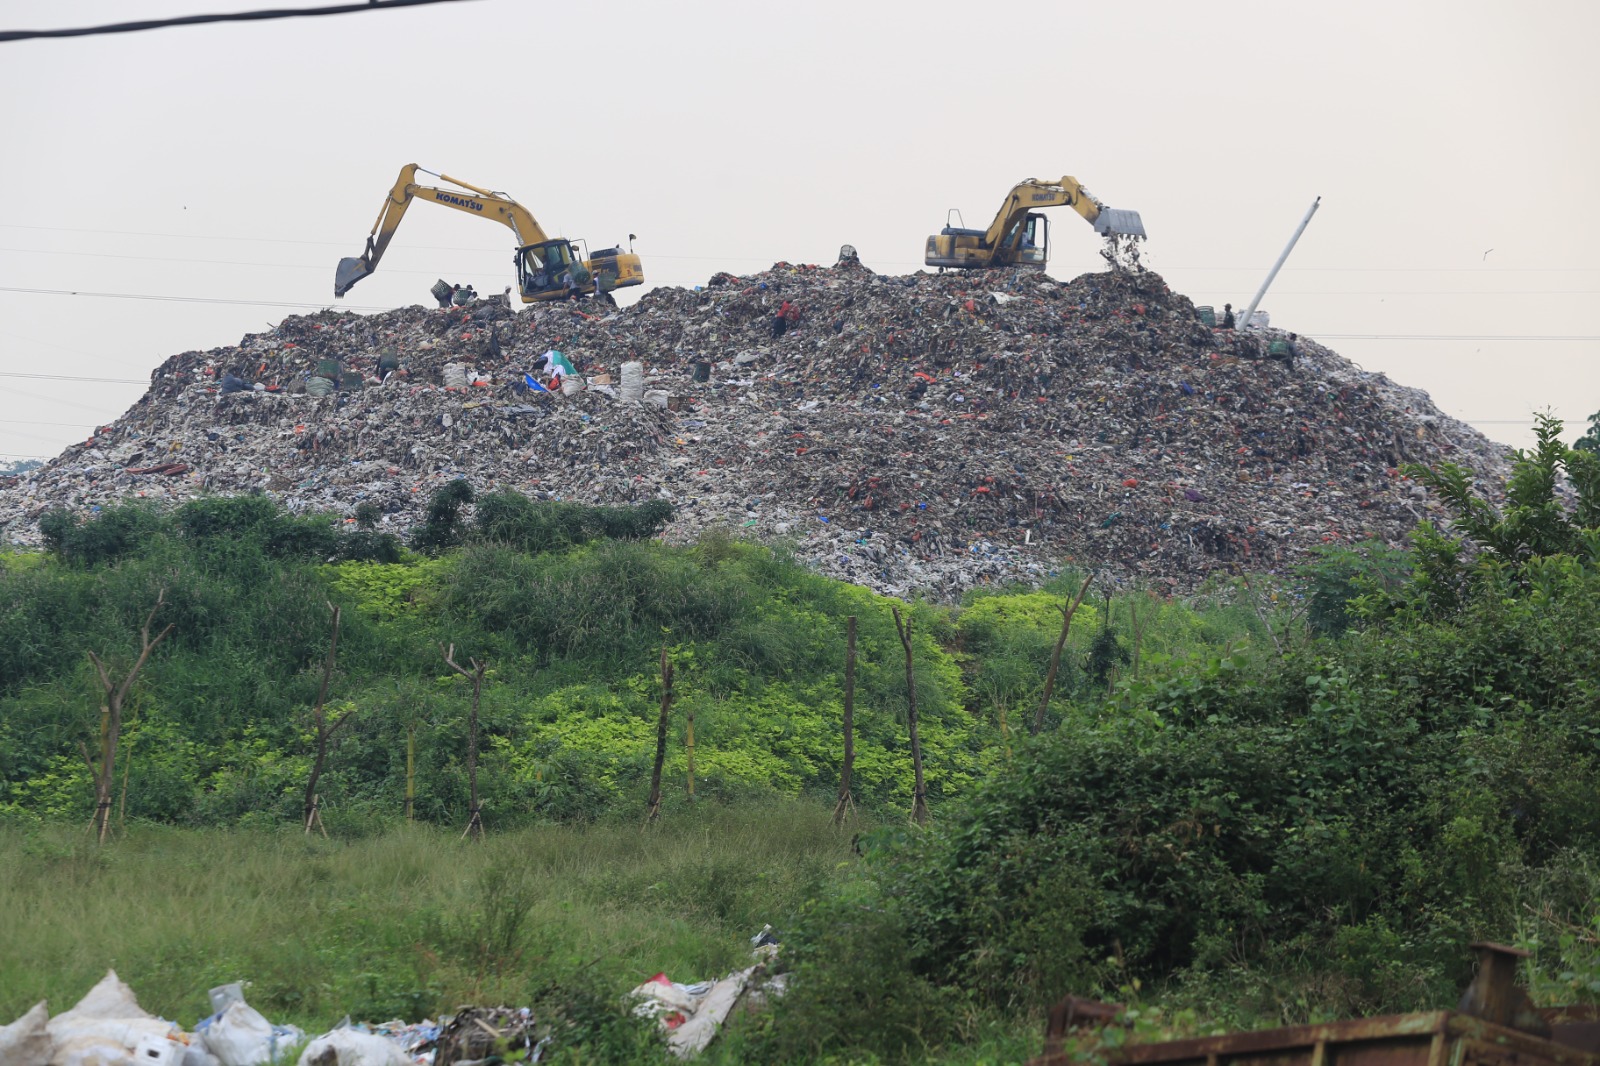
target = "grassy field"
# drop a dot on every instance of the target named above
(407, 923)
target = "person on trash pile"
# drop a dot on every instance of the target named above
(1284, 350)
(1227, 316)
(780, 321)
(388, 363)
(463, 295)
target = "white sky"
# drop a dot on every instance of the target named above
(219, 172)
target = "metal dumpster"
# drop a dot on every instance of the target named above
(1495, 1025)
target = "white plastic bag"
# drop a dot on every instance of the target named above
(351, 1047)
(242, 1036)
(631, 385)
(107, 1027)
(26, 1041)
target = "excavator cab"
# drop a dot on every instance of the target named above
(1032, 241)
(544, 268)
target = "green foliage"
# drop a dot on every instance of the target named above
(851, 991)
(111, 535)
(1335, 575)
(533, 526)
(1497, 546)
(442, 525)
(1590, 440)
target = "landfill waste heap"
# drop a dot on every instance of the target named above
(919, 435)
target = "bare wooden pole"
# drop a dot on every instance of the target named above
(475, 819)
(689, 744)
(325, 732)
(1055, 656)
(1138, 632)
(116, 695)
(661, 737)
(411, 770)
(919, 790)
(847, 802)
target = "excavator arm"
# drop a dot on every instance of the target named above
(1008, 240)
(542, 262)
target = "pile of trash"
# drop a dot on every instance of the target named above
(109, 1028)
(919, 434)
(693, 1015)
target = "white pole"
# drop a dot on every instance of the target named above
(1265, 285)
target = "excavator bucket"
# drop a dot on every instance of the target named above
(1112, 222)
(1116, 221)
(351, 270)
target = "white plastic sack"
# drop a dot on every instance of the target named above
(107, 1027)
(630, 386)
(351, 1047)
(26, 1041)
(108, 999)
(242, 1036)
(107, 1049)
(455, 376)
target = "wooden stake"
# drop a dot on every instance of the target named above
(475, 820)
(847, 802)
(411, 770)
(919, 790)
(314, 821)
(1133, 613)
(1055, 656)
(116, 694)
(661, 737)
(690, 745)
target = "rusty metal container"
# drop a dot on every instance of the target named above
(1494, 1026)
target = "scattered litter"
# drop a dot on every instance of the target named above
(693, 1015)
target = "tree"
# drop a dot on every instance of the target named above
(325, 732)
(1485, 540)
(116, 694)
(475, 675)
(443, 527)
(1590, 441)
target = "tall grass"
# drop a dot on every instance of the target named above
(411, 922)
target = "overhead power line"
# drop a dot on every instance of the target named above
(1441, 337)
(70, 377)
(257, 265)
(195, 20)
(189, 299)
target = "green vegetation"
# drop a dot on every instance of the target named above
(407, 923)
(1279, 800)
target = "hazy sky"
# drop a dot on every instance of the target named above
(195, 184)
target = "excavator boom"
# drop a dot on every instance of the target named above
(547, 268)
(1015, 235)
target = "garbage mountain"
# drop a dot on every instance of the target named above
(918, 435)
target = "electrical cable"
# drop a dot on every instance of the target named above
(399, 270)
(190, 299)
(195, 20)
(70, 377)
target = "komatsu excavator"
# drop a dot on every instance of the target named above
(547, 268)
(1019, 237)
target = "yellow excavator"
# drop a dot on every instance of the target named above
(547, 268)
(1018, 236)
